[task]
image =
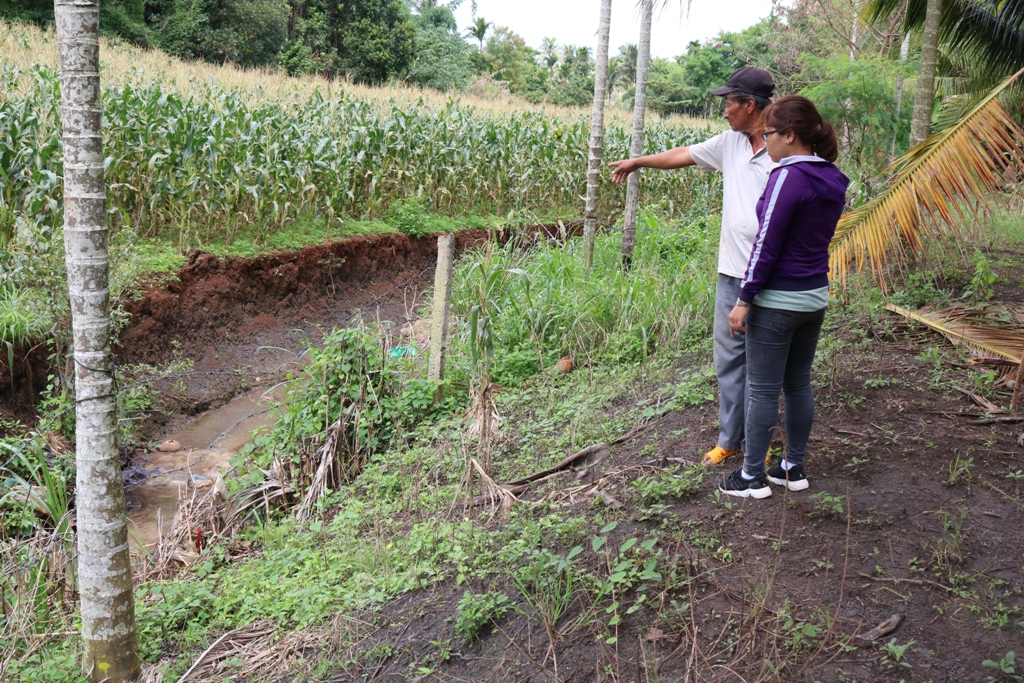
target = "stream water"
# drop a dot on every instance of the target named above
(207, 446)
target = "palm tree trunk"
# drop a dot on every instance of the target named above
(924, 98)
(104, 569)
(596, 134)
(636, 145)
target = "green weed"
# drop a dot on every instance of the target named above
(670, 483)
(827, 505)
(477, 611)
(895, 653)
(1007, 667)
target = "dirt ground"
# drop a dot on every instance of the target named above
(902, 541)
(914, 513)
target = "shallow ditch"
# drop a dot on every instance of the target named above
(246, 324)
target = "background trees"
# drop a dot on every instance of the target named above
(246, 32)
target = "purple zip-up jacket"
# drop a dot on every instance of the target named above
(797, 214)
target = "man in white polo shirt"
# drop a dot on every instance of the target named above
(741, 156)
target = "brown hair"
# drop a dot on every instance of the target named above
(798, 114)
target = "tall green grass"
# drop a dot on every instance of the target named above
(22, 318)
(548, 305)
(191, 165)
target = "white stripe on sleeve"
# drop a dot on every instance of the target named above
(764, 228)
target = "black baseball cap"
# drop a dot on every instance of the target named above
(749, 80)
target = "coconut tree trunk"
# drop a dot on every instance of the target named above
(636, 145)
(104, 569)
(596, 134)
(924, 97)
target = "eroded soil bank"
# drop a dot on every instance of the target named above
(247, 322)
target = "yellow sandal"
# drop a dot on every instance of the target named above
(718, 455)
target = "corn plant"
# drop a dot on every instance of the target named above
(207, 162)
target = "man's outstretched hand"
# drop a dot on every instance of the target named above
(623, 167)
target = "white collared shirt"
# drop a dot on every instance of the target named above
(744, 176)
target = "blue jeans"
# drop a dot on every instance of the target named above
(730, 367)
(780, 352)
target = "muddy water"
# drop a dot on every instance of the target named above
(207, 446)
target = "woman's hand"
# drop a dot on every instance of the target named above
(738, 319)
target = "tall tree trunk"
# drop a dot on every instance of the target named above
(853, 39)
(636, 145)
(104, 568)
(924, 98)
(596, 134)
(898, 99)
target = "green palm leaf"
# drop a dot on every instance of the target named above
(933, 185)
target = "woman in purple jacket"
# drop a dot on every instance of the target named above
(785, 291)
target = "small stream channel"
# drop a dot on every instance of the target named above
(240, 318)
(207, 446)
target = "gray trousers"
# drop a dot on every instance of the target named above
(781, 347)
(730, 367)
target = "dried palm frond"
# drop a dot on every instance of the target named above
(492, 495)
(330, 470)
(275, 487)
(960, 325)
(483, 405)
(242, 643)
(933, 185)
(199, 519)
(483, 421)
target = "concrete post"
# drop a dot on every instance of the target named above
(442, 304)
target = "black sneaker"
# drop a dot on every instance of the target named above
(736, 485)
(794, 478)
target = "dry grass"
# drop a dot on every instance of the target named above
(24, 45)
(37, 594)
(201, 518)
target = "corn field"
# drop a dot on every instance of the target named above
(208, 161)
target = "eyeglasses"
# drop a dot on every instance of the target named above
(765, 134)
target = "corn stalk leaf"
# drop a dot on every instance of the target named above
(985, 340)
(932, 186)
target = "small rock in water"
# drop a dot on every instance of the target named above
(198, 481)
(169, 446)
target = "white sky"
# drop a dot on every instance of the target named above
(575, 21)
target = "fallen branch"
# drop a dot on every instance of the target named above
(912, 582)
(994, 420)
(981, 401)
(883, 629)
(588, 454)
